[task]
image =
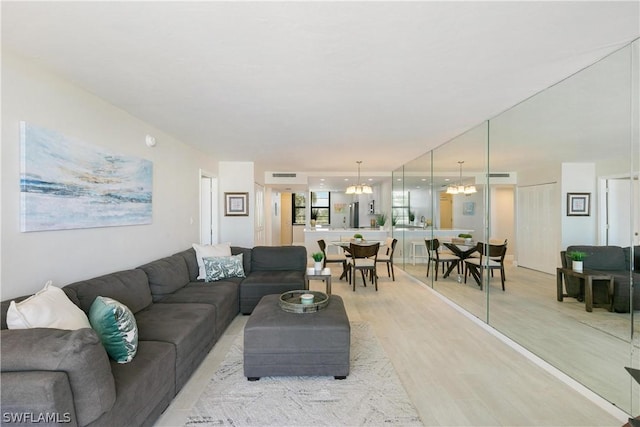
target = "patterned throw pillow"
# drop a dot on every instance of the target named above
(224, 267)
(115, 325)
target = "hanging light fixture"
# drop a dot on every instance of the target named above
(359, 188)
(460, 188)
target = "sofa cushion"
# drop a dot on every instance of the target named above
(130, 287)
(223, 295)
(261, 283)
(78, 353)
(189, 257)
(226, 267)
(115, 325)
(189, 327)
(47, 308)
(278, 258)
(604, 258)
(166, 275)
(145, 386)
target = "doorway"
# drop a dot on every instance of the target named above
(208, 209)
(446, 211)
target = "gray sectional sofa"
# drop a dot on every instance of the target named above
(614, 261)
(69, 374)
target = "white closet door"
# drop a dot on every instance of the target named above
(620, 226)
(538, 233)
(259, 237)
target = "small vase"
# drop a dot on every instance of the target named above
(577, 266)
(317, 266)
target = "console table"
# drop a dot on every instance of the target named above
(588, 276)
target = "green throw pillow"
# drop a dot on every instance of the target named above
(224, 267)
(115, 325)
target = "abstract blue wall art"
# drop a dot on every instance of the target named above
(67, 184)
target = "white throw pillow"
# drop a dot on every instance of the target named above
(48, 308)
(210, 251)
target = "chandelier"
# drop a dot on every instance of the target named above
(460, 188)
(359, 188)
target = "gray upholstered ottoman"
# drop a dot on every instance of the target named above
(279, 343)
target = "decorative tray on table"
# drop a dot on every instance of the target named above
(292, 301)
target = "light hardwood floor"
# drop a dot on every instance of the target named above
(591, 347)
(455, 372)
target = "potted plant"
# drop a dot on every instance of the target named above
(412, 217)
(467, 237)
(577, 257)
(314, 217)
(357, 237)
(381, 220)
(317, 258)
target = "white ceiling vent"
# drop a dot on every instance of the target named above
(284, 175)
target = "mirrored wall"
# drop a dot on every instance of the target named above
(560, 169)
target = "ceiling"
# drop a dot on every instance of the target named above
(313, 87)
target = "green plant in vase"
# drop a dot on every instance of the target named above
(577, 257)
(381, 219)
(317, 258)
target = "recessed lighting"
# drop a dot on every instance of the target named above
(322, 179)
(423, 179)
(346, 179)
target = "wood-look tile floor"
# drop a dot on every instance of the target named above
(455, 372)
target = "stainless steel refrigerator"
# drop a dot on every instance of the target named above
(354, 215)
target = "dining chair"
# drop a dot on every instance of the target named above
(491, 258)
(363, 258)
(385, 255)
(439, 258)
(329, 258)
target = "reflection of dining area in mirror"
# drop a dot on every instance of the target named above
(544, 181)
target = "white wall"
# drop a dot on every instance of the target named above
(237, 177)
(29, 259)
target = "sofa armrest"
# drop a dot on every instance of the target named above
(79, 354)
(37, 397)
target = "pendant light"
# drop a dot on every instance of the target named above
(359, 188)
(460, 188)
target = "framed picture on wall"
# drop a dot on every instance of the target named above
(236, 204)
(468, 208)
(578, 204)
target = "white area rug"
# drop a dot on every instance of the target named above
(371, 395)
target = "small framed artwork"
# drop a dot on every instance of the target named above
(236, 204)
(578, 204)
(468, 208)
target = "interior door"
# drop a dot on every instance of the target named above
(619, 195)
(446, 211)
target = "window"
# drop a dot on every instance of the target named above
(320, 204)
(298, 205)
(401, 211)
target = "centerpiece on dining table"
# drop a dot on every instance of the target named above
(358, 238)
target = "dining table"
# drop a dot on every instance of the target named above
(463, 251)
(346, 245)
